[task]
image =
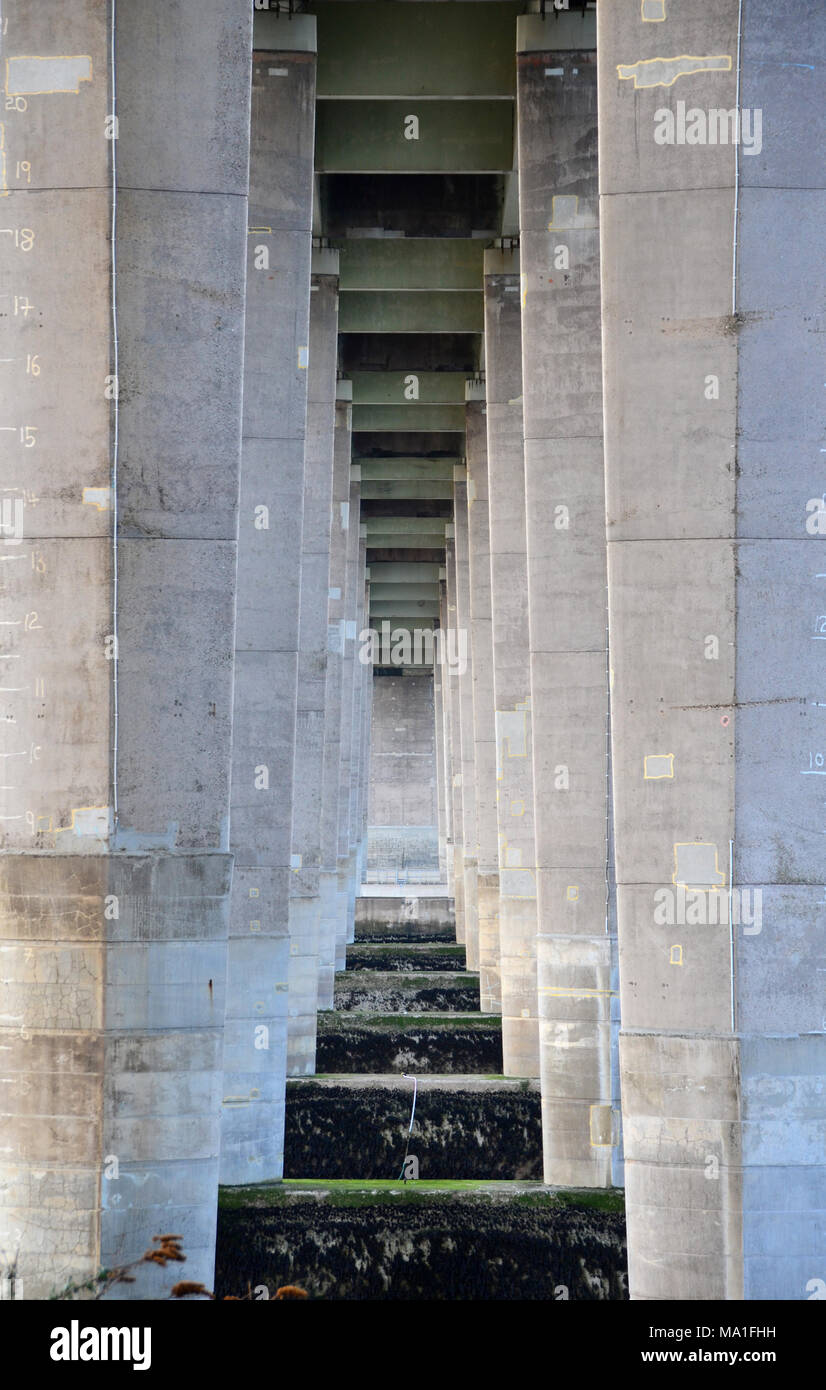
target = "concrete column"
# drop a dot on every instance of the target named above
(441, 812)
(117, 595)
(266, 638)
(511, 664)
(484, 719)
(305, 886)
(446, 758)
(713, 384)
(462, 659)
(565, 492)
(362, 724)
(334, 903)
(351, 673)
(451, 689)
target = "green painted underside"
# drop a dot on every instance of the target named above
(414, 311)
(404, 490)
(411, 263)
(416, 49)
(430, 419)
(373, 137)
(411, 389)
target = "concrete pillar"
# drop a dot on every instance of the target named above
(451, 690)
(511, 664)
(334, 902)
(267, 610)
(441, 810)
(117, 598)
(461, 658)
(565, 492)
(484, 719)
(305, 885)
(446, 757)
(362, 724)
(713, 381)
(351, 673)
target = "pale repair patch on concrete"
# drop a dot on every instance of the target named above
(656, 766)
(511, 737)
(697, 866)
(41, 76)
(663, 72)
(100, 497)
(88, 822)
(653, 11)
(566, 215)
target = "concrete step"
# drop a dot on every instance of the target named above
(388, 992)
(413, 918)
(432, 1042)
(423, 1241)
(411, 956)
(380, 929)
(463, 1127)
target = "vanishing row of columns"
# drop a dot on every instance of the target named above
(168, 857)
(688, 534)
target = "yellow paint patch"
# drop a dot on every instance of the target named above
(657, 766)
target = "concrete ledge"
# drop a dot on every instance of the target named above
(390, 992)
(493, 1131)
(406, 956)
(281, 33)
(559, 30)
(444, 1043)
(392, 1081)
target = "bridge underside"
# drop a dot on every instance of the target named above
(408, 501)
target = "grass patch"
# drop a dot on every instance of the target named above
(356, 1192)
(342, 1021)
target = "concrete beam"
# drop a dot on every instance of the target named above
(411, 263)
(404, 608)
(414, 469)
(391, 540)
(556, 31)
(410, 137)
(403, 574)
(404, 526)
(405, 490)
(281, 33)
(416, 49)
(424, 418)
(423, 311)
(405, 444)
(399, 388)
(410, 590)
